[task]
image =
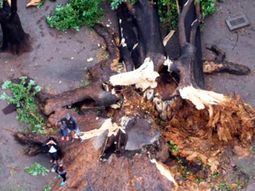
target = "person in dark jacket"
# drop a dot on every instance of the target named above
(53, 150)
(60, 170)
(69, 125)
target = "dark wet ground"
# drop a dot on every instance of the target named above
(238, 45)
(59, 59)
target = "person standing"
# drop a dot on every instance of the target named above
(60, 170)
(53, 150)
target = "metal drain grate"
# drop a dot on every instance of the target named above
(234, 23)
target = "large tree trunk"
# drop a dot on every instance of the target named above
(152, 101)
(15, 39)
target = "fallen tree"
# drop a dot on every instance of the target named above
(139, 100)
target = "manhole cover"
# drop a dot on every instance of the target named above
(237, 22)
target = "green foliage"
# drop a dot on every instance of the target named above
(116, 3)
(76, 13)
(37, 169)
(172, 147)
(199, 180)
(168, 13)
(208, 7)
(23, 96)
(47, 187)
(224, 186)
(215, 175)
(40, 5)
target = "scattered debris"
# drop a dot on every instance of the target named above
(34, 3)
(164, 171)
(90, 59)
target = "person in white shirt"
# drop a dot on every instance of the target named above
(53, 150)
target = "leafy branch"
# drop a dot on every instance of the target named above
(76, 13)
(22, 95)
(37, 169)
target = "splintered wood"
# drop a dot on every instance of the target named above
(201, 98)
(33, 3)
(143, 77)
(111, 128)
(164, 171)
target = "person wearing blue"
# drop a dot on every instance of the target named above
(69, 125)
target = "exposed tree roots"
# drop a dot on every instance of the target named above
(219, 64)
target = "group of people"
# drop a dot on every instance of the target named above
(68, 126)
(15, 39)
(55, 153)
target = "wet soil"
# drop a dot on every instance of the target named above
(58, 61)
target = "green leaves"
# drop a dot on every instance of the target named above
(116, 3)
(172, 147)
(208, 7)
(168, 13)
(37, 169)
(22, 96)
(6, 84)
(75, 14)
(47, 187)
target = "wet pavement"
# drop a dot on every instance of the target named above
(239, 46)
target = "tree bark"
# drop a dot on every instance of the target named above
(15, 39)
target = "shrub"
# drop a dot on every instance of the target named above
(23, 97)
(75, 13)
(37, 169)
(208, 7)
(168, 13)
